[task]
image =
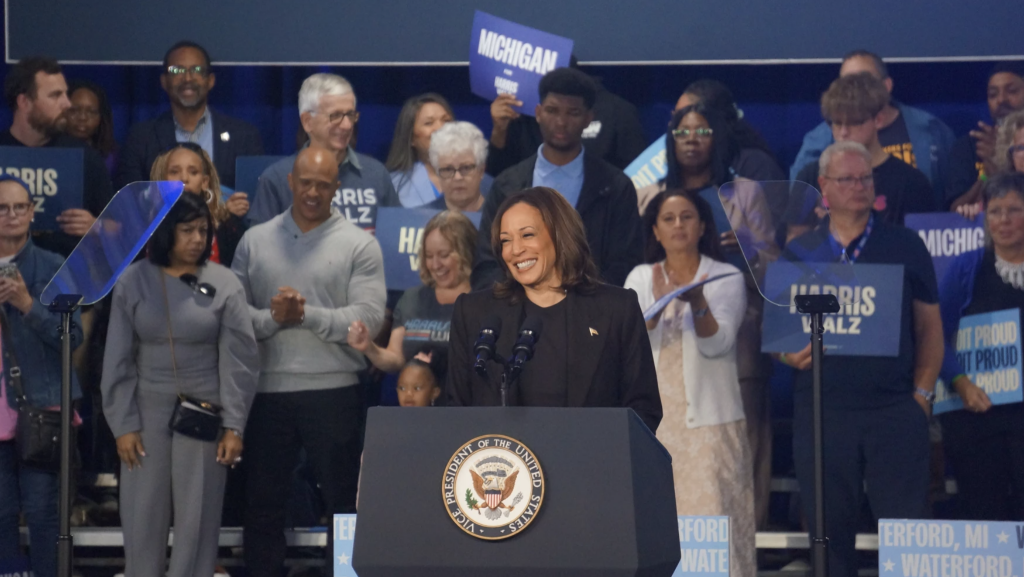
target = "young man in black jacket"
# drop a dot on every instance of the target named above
(600, 192)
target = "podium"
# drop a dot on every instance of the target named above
(608, 505)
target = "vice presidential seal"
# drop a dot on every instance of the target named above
(493, 487)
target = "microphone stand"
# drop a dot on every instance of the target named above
(817, 306)
(66, 305)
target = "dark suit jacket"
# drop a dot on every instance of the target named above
(151, 138)
(607, 205)
(609, 353)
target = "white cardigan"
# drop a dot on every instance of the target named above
(709, 364)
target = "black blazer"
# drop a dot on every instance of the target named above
(607, 205)
(151, 138)
(610, 358)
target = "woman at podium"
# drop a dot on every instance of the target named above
(592, 349)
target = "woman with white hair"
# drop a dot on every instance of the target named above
(458, 155)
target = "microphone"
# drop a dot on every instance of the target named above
(484, 350)
(529, 334)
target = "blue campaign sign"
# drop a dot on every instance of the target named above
(947, 235)
(989, 350)
(509, 58)
(400, 233)
(913, 548)
(54, 177)
(344, 537)
(650, 166)
(703, 547)
(248, 170)
(865, 325)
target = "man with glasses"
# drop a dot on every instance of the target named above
(37, 95)
(875, 408)
(187, 79)
(602, 194)
(327, 110)
(853, 107)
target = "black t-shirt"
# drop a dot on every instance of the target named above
(96, 188)
(895, 139)
(426, 321)
(900, 190)
(544, 382)
(964, 169)
(859, 382)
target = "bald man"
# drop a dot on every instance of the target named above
(308, 274)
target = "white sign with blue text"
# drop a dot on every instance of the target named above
(344, 538)
(912, 548)
(989, 349)
(703, 547)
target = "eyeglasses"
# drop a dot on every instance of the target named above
(338, 117)
(82, 112)
(193, 70)
(1011, 212)
(849, 181)
(448, 172)
(19, 209)
(199, 287)
(684, 133)
(1016, 148)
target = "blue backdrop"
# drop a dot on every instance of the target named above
(780, 100)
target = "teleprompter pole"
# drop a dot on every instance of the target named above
(66, 305)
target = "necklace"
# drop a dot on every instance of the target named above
(1012, 274)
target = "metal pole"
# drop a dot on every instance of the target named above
(819, 542)
(64, 539)
(504, 388)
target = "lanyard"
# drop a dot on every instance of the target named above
(846, 257)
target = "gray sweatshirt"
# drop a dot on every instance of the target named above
(339, 269)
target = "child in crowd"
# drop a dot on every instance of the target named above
(422, 379)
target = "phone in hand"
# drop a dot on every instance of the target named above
(9, 270)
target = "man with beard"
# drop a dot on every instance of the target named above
(187, 79)
(37, 95)
(972, 158)
(604, 197)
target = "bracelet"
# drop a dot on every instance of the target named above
(953, 380)
(782, 359)
(928, 395)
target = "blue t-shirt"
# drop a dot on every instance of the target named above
(859, 382)
(426, 321)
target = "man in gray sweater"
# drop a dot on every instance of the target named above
(308, 274)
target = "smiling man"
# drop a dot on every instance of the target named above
(308, 274)
(599, 192)
(188, 79)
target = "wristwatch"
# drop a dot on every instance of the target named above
(237, 433)
(928, 395)
(701, 313)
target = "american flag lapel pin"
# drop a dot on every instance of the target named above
(593, 332)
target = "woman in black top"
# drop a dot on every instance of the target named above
(983, 441)
(593, 349)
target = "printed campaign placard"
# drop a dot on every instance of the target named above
(703, 547)
(913, 548)
(947, 235)
(400, 233)
(865, 325)
(663, 301)
(54, 177)
(15, 567)
(344, 538)
(509, 58)
(650, 167)
(989, 350)
(247, 173)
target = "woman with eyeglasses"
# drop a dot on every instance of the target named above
(32, 343)
(982, 440)
(91, 119)
(458, 155)
(190, 164)
(179, 328)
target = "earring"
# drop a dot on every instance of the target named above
(209, 195)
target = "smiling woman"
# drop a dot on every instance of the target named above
(593, 349)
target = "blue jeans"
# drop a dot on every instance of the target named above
(34, 493)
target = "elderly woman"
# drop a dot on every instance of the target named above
(694, 340)
(983, 440)
(177, 305)
(414, 178)
(458, 154)
(423, 314)
(30, 342)
(191, 165)
(595, 351)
